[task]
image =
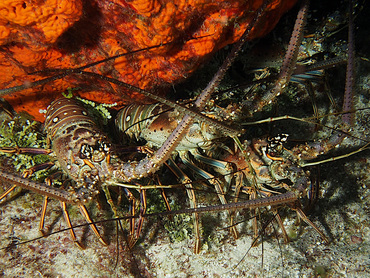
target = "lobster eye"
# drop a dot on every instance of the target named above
(103, 146)
(275, 144)
(86, 151)
(107, 147)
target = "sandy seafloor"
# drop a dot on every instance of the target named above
(342, 213)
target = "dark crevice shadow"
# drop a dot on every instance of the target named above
(84, 33)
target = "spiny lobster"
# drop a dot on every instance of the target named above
(225, 158)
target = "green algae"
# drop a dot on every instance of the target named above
(21, 132)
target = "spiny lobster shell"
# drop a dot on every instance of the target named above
(155, 122)
(80, 147)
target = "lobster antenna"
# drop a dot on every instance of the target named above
(290, 59)
(67, 72)
(350, 75)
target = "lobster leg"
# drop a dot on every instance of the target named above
(192, 199)
(304, 217)
(56, 193)
(109, 200)
(69, 224)
(132, 200)
(48, 181)
(133, 235)
(85, 213)
(24, 150)
(7, 192)
(163, 193)
(252, 167)
(43, 214)
(142, 212)
(281, 225)
(254, 212)
(253, 196)
(211, 179)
